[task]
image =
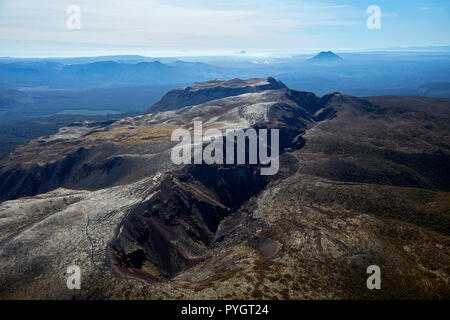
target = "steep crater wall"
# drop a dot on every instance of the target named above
(172, 230)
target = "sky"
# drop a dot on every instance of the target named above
(31, 28)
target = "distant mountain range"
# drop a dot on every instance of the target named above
(102, 74)
(365, 72)
(133, 83)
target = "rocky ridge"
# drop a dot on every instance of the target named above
(105, 196)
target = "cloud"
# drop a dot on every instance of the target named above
(174, 23)
(424, 8)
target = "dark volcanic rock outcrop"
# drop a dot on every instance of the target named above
(173, 230)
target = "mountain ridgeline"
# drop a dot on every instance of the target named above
(211, 90)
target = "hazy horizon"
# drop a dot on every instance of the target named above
(414, 50)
